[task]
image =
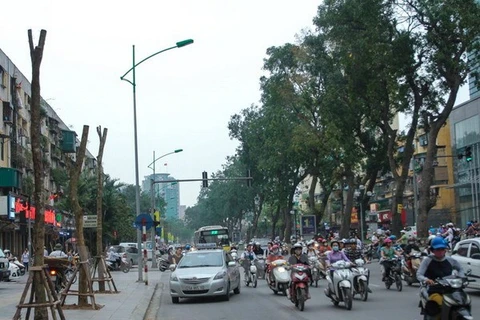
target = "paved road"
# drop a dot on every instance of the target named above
(261, 303)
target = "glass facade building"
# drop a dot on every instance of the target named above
(170, 192)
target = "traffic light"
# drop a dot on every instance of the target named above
(468, 154)
(205, 179)
(249, 181)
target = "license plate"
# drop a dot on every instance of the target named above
(194, 288)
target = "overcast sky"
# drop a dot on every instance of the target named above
(185, 97)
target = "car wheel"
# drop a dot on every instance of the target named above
(237, 289)
(175, 300)
(226, 297)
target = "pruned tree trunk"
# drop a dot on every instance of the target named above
(36, 54)
(75, 171)
(103, 138)
(311, 194)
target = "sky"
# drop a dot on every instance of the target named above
(185, 96)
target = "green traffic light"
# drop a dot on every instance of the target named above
(468, 154)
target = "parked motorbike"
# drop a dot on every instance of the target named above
(299, 285)
(361, 277)
(277, 276)
(315, 264)
(410, 276)
(449, 301)
(163, 264)
(251, 274)
(340, 285)
(395, 273)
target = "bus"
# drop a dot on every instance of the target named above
(212, 237)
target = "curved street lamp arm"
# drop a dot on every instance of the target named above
(166, 154)
(150, 56)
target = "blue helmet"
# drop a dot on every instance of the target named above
(187, 247)
(438, 243)
(393, 238)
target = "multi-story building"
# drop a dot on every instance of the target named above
(58, 145)
(170, 192)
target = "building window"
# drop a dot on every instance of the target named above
(467, 132)
(423, 140)
(2, 149)
(3, 78)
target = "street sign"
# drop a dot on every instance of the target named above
(143, 219)
(89, 221)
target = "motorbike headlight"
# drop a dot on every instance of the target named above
(455, 283)
(220, 275)
(174, 277)
(281, 269)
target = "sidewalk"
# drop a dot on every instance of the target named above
(131, 303)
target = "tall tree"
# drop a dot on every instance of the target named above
(36, 55)
(75, 170)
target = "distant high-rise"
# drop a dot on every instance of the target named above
(170, 192)
(474, 61)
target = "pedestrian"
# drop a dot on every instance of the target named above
(26, 259)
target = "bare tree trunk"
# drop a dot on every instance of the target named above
(103, 138)
(75, 171)
(36, 54)
(311, 194)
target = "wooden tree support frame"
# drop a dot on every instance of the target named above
(67, 292)
(53, 302)
(106, 277)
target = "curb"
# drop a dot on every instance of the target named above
(155, 301)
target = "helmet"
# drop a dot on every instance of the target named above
(257, 243)
(411, 237)
(388, 240)
(250, 244)
(297, 245)
(352, 241)
(393, 237)
(275, 247)
(58, 246)
(335, 241)
(6, 251)
(344, 240)
(170, 248)
(187, 247)
(438, 243)
(310, 243)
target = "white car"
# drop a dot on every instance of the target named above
(467, 253)
(204, 273)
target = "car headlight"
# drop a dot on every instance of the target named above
(220, 275)
(173, 277)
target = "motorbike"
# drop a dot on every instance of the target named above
(449, 301)
(57, 275)
(277, 276)
(323, 265)
(299, 285)
(395, 273)
(21, 267)
(340, 285)
(251, 274)
(120, 263)
(408, 276)
(315, 264)
(371, 252)
(163, 264)
(15, 272)
(260, 264)
(361, 277)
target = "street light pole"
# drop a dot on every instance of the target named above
(152, 195)
(137, 179)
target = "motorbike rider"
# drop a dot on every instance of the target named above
(258, 249)
(437, 265)
(273, 255)
(298, 257)
(387, 252)
(335, 255)
(351, 250)
(311, 251)
(247, 256)
(178, 255)
(57, 252)
(411, 246)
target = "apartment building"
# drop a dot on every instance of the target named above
(58, 143)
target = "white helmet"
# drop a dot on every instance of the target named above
(311, 242)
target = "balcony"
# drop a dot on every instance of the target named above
(10, 178)
(7, 113)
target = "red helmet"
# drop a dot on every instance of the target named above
(388, 240)
(274, 247)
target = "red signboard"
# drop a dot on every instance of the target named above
(30, 213)
(386, 216)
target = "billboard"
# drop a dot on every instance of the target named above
(308, 225)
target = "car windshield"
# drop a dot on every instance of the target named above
(201, 259)
(2, 255)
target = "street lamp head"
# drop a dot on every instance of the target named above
(178, 150)
(184, 43)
